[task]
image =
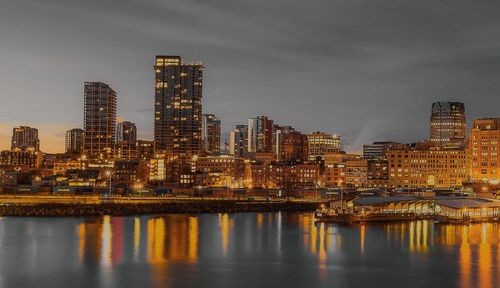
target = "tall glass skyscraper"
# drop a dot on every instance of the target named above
(99, 122)
(178, 114)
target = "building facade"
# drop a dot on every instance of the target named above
(320, 143)
(376, 150)
(145, 150)
(210, 134)
(427, 166)
(448, 124)
(178, 114)
(484, 144)
(221, 171)
(345, 170)
(73, 141)
(260, 134)
(21, 158)
(99, 122)
(292, 147)
(238, 141)
(25, 137)
(126, 132)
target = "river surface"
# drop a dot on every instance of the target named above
(244, 250)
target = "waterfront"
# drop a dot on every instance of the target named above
(244, 250)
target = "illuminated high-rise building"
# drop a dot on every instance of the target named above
(320, 143)
(99, 122)
(210, 134)
(448, 124)
(73, 141)
(238, 142)
(126, 132)
(260, 134)
(178, 114)
(25, 137)
(484, 144)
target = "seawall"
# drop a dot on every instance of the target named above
(125, 209)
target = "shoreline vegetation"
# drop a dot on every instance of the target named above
(51, 206)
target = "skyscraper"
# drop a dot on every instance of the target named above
(238, 142)
(126, 132)
(25, 137)
(484, 143)
(448, 124)
(178, 113)
(260, 134)
(210, 134)
(73, 141)
(178, 96)
(99, 122)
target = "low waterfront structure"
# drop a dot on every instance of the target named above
(447, 209)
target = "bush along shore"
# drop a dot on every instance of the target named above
(126, 209)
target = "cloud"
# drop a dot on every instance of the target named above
(336, 65)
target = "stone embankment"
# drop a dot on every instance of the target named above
(125, 209)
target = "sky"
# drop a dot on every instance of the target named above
(365, 70)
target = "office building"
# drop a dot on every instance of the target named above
(126, 132)
(73, 142)
(484, 144)
(260, 134)
(210, 134)
(25, 137)
(320, 143)
(448, 124)
(426, 166)
(238, 141)
(99, 124)
(178, 114)
(290, 145)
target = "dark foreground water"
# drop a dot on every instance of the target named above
(244, 250)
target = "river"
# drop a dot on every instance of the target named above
(244, 250)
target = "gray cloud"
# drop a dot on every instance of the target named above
(368, 70)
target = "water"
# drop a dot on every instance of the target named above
(244, 250)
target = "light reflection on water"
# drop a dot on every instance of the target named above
(223, 250)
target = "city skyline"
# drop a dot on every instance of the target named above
(371, 81)
(232, 143)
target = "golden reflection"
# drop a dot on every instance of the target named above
(305, 221)
(81, 241)
(322, 256)
(156, 250)
(156, 239)
(90, 240)
(193, 239)
(106, 237)
(260, 221)
(485, 267)
(465, 259)
(419, 233)
(137, 234)
(175, 238)
(226, 225)
(412, 236)
(314, 237)
(362, 236)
